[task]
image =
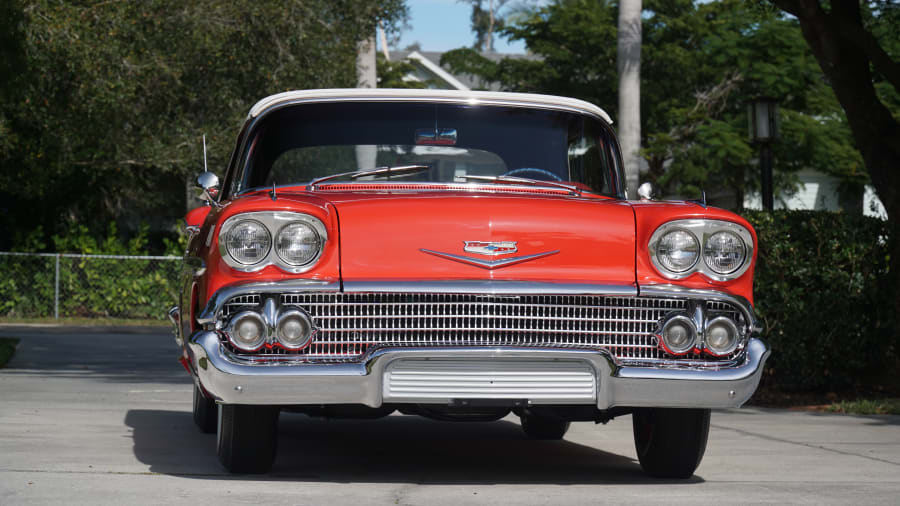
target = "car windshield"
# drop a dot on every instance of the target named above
(458, 143)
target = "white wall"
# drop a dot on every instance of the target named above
(818, 191)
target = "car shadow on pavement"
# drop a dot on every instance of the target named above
(395, 449)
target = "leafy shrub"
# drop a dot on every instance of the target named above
(91, 286)
(821, 291)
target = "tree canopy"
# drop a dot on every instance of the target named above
(104, 103)
(701, 65)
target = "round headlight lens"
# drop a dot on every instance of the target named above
(246, 331)
(294, 329)
(248, 242)
(721, 336)
(678, 335)
(297, 243)
(724, 252)
(678, 250)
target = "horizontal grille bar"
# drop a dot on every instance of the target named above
(350, 324)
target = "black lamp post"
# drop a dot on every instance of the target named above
(763, 114)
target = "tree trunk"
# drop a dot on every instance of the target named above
(845, 57)
(489, 39)
(382, 37)
(365, 71)
(628, 59)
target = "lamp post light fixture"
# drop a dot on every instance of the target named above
(763, 116)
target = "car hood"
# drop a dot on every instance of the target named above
(465, 236)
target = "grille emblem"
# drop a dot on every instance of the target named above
(490, 248)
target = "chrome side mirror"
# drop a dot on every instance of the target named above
(645, 191)
(207, 188)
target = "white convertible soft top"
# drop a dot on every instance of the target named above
(387, 94)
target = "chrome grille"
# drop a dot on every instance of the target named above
(239, 303)
(724, 309)
(351, 323)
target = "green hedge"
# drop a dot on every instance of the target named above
(821, 290)
(91, 286)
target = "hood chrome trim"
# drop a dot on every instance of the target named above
(488, 264)
(489, 287)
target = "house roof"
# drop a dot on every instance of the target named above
(431, 59)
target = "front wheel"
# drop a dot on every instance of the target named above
(670, 442)
(247, 437)
(205, 412)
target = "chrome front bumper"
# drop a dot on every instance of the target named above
(577, 377)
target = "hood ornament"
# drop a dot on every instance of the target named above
(492, 249)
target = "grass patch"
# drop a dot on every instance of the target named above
(866, 407)
(7, 348)
(95, 322)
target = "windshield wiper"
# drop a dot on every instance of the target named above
(377, 171)
(522, 180)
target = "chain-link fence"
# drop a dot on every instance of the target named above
(36, 285)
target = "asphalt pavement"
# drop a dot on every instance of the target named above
(103, 416)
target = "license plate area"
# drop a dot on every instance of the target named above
(427, 380)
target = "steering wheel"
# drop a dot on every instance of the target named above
(524, 170)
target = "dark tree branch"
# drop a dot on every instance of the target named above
(882, 61)
(794, 7)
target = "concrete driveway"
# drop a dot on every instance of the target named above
(102, 416)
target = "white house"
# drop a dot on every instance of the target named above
(428, 69)
(819, 191)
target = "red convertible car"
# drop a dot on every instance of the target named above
(460, 256)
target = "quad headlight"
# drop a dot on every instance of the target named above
(246, 331)
(722, 336)
(677, 246)
(724, 252)
(678, 250)
(246, 244)
(678, 334)
(294, 329)
(298, 243)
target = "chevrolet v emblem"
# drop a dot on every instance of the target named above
(489, 249)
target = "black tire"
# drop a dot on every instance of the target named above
(670, 442)
(543, 427)
(247, 437)
(205, 412)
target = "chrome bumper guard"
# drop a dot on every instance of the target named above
(448, 375)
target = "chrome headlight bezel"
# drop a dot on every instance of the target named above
(702, 229)
(274, 221)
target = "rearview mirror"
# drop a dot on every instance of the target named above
(207, 188)
(645, 191)
(436, 137)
